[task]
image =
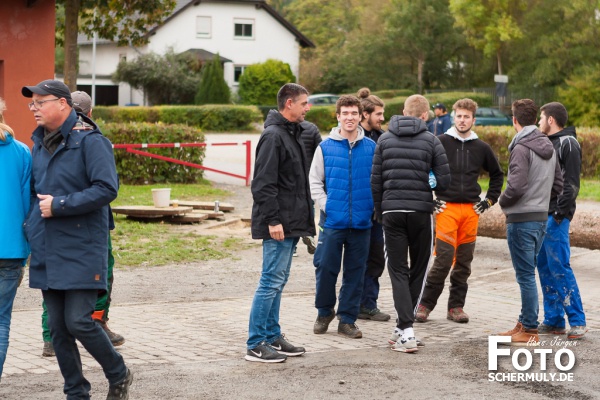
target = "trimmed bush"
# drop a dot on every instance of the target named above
(213, 89)
(136, 169)
(391, 93)
(217, 118)
(260, 83)
(449, 98)
(323, 117)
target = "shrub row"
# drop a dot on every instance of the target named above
(137, 169)
(324, 116)
(217, 118)
(499, 137)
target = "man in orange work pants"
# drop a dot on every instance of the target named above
(458, 209)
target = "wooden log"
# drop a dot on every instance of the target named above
(150, 211)
(188, 218)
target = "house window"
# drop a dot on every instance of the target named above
(243, 28)
(203, 27)
(238, 70)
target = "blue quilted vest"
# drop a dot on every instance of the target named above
(348, 183)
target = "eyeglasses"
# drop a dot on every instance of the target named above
(38, 104)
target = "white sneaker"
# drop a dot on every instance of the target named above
(406, 346)
(396, 335)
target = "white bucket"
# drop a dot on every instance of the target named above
(161, 197)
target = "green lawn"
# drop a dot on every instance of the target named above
(589, 190)
(156, 243)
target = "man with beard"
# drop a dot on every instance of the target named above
(371, 119)
(559, 286)
(458, 209)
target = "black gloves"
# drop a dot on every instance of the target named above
(558, 217)
(482, 206)
(439, 206)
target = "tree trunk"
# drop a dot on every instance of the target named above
(499, 62)
(420, 63)
(71, 54)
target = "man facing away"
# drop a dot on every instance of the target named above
(339, 183)
(73, 181)
(533, 178)
(371, 120)
(281, 214)
(458, 209)
(82, 103)
(404, 202)
(559, 286)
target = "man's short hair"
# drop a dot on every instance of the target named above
(465, 104)
(557, 111)
(82, 102)
(524, 111)
(348, 100)
(416, 105)
(369, 101)
(289, 91)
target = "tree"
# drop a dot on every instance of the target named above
(213, 88)
(167, 79)
(422, 30)
(260, 83)
(581, 96)
(126, 21)
(489, 25)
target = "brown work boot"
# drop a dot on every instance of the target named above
(525, 337)
(48, 350)
(517, 328)
(422, 313)
(115, 338)
(322, 323)
(349, 330)
(457, 315)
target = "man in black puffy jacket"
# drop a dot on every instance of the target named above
(281, 214)
(404, 203)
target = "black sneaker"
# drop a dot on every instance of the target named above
(120, 391)
(48, 350)
(265, 353)
(322, 323)
(282, 346)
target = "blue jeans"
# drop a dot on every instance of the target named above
(264, 314)
(524, 243)
(559, 286)
(10, 272)
(70, 318)
(354, 245)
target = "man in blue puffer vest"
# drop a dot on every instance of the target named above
(340, 185)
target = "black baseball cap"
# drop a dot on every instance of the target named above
(47, 87)
(440, 106)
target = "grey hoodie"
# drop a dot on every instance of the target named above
(533, 177)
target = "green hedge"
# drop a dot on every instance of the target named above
(217, 118)
(136, 169)
(499, 137)
(324, 116)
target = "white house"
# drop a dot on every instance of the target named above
(243, 32)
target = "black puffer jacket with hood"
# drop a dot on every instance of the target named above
(403, 158)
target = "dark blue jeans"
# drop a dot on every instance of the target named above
(354, 245)
(70, 319)
(10, 272)
(524, 243)
(559, 286)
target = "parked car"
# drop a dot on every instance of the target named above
(485, 116)
(323, 99)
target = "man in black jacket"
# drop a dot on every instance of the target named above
(372, 118)
(559, 286)
(458, 210)
(282, 213)
(404, 202)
